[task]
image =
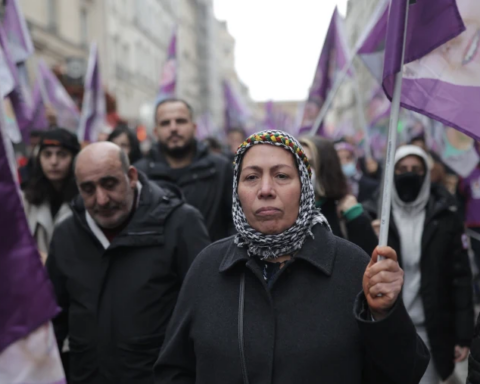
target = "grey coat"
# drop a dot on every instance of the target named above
(311, 326)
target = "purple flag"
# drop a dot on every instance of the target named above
(168, 80)
(378, 108)
(7, 84)
(277, 119)
(333, 58)
(441, 76)
(205, 126)
(236, 111)
(19, 40)
(372, 45)
(270, 122)
(67, 112)
(28, 351)
(92, 118)
(18, 95)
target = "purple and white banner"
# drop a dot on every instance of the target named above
(17, 109)
(277, 119)
(333, 58)
(49, 90)
(205, 126)
(442, 60)
(236, 110)
(92, 118)
(371, 47)
(168, 79)
(19, 40)
(28, 350)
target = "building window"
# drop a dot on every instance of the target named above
(52, 14)
(84, 26)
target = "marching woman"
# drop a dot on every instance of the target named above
(285, 301)
(51, 186)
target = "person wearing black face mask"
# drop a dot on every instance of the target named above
(427, 233)
(408, 185)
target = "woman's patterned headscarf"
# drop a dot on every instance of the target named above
(292, 239)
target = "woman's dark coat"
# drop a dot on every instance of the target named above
(311, 326)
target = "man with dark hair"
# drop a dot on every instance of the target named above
(117, 266)
(205, 178)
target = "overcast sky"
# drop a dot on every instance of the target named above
(277, 43)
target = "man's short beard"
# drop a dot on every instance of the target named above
(178, 152)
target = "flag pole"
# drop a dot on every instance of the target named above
(331, 96)
(391, 146)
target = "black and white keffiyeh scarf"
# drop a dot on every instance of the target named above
(292, 239)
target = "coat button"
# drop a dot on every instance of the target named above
(195, 176)
(152, 164)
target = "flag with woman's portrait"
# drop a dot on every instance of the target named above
(441, 75)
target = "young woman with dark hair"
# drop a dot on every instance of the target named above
(126, 139)
(51, 186)
(342, 210)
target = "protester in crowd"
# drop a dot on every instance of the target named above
(117, 266)
(361, 186)
(51, 186)
(427, 233)
(126, 139)
(438, 170)
(368, 165)
(371, 167)
(25, 171)
(235, 137)
(204, 178)
(345, 215)
(280, 302)
(214, 145)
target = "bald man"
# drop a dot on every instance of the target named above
(117, 266)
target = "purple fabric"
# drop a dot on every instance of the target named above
(67, 112)
(430, 86)
(470, 188)
(168, 80)
(39, 118)
(334, 57)
(27, 295)
(18, 96)
(375, 40)
(205, 126)
(345, 146)
(379, 107)
(276, 119)
(92, 118)
(20, 42)
(236, 112)
(373, 48)
(269, 116)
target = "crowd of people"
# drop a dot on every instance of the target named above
(253, 260)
